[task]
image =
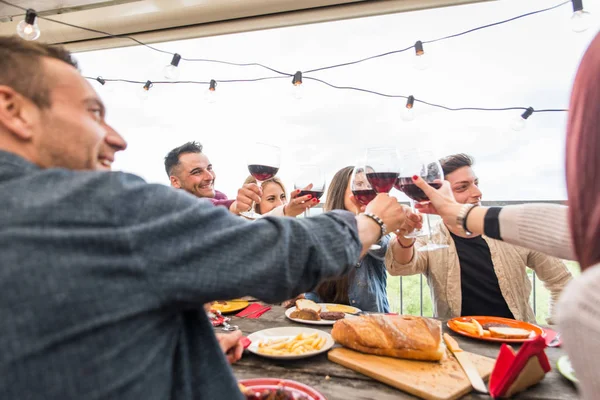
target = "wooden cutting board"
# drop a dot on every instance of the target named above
(428, 380)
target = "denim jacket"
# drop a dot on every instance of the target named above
(368, 285)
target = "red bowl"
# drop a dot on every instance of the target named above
(294, 387)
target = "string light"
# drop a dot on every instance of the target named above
(408, 113)
(211, 93)
(145, 92)
(519, 123)
(298, 87)
(171, 71)
(101, 80)
(581, 20)
(28, 28)
(421, 61)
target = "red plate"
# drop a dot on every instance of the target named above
(294, 387)
(510, 323)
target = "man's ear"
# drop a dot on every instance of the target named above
(175, 182)
(17, 114)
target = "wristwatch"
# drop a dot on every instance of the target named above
(461, 218)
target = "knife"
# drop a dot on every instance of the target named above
(466, 364)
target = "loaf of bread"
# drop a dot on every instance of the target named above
(399, 336)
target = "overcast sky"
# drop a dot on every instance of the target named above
(529, 62)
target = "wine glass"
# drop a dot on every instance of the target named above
(382, 164)
(307, 175)
(425, 165)
(263, 163)
(362, 190)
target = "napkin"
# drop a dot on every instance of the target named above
(550, 335)
(252, 311)
(515, 372)
(245, 342)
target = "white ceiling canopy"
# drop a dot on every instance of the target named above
(164, 20)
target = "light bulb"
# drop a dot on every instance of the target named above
(519, 123)
(144, 93)
(28, 28)
(171, 71)
(298, 90)
(581, 21)
(422, 60)
(211, 96)
(408, 113)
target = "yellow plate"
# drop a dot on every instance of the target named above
(229, 306)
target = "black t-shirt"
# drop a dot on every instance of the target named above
(481, 293)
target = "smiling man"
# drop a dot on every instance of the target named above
(188, 168)
(477, 275)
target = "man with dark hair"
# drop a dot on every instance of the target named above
(103, 276)
(478, 275)
(188, 168)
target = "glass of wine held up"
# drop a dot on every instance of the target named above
(263, 164)
(362, 190)
(310, 180)
(425, 165)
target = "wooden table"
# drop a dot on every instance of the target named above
(345, 384)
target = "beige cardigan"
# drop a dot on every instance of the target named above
(442, 270)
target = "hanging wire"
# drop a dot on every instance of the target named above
(254, 64)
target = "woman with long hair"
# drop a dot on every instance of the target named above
(365, 286)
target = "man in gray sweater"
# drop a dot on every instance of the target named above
(103, 276)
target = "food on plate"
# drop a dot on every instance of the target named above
(308, 315)
(340, 308)
(269, 394)
(287, 346)
(304, 304)
(470, 327)
(307, 310)
(332, 315)
(399, 336)
(494, 324)
(509, 333)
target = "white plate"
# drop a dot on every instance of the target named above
(289, 311)
(288, 332)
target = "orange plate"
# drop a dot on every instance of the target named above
(510, 323)
(230, 306)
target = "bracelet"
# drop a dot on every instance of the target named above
(403, 246)
(379, 222)
(461, 218)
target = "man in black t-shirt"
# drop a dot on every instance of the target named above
(478, 275)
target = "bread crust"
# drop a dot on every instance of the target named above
(399, 336)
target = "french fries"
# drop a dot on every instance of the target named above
(297, 345)
(473, 327)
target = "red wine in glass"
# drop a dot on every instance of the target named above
(316, 194)
(408, 187)
(382, 182)
(364, 196)
(262, 172)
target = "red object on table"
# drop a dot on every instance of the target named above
(245, 342)
(253, 311)
(296, 388)
(515, 372)
(550, 335)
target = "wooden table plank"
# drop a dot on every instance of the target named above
(340, 383)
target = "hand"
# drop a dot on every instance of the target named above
(389, 210)
(441, 202)
(412, 221)
(292, 302)
(247, 194)
(298, 205)
(231, 345)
